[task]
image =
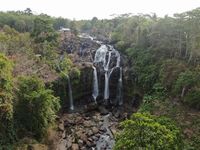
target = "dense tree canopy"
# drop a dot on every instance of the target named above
(144, 131)
(36, 107)
(6, 104)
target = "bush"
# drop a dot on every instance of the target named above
(6, 107)
(192, 98)
(144, 131)
(170, 71)
(187, 80)
(148, 103)
(36, 107)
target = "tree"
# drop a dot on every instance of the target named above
(36, 107)
(28, 11)
(145, 131)
(6, 105)
(60, 22)
(43, 31)
(73, 27)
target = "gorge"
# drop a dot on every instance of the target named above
(105, 64)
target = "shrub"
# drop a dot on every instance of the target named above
(145, 131)
(36, 107)
(186, 80)
(192, 98)
(170, 71)
(6, 107)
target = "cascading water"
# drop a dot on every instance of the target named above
(95, 84)
(71, 102)
(119, 89)
(100, 57)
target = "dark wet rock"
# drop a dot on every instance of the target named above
(89, 144)
(90, 139)
(68, 122)
(117, 114)
(103, 110)
(91, 107)
(89, 130)
(87, 118)
(95, 138)
(103, 129)
(98, 135)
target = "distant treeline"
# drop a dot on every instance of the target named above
(23, 21)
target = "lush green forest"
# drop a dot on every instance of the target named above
(162, 61)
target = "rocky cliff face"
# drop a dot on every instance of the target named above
(82, 51)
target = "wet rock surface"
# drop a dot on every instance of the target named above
(87, 131)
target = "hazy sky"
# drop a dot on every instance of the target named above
(86, 9)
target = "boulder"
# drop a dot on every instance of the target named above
(69, 142)
(90, 133)
(95, 130)
(88, 123)
(61, 126)
(75, 146)
(81, 136)
(103, 110)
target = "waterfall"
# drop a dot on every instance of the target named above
(106, 87)
(119, 89)
(100, 57)
(95, 84)
(71, 102)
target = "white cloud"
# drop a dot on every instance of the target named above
(86, 9)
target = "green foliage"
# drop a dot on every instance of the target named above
(148, 103)
(192, 98)
(5, 75)
(12, 42)
(60, 22)
(144, 66)
(187, 79)
(159, 90)
(73, 27)
(144, 131)
(170, 71)
(23, 21)
(36, 107)
(43, 31)
(6, 107)
(64, 65)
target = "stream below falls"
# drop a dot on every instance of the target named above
(87, 131)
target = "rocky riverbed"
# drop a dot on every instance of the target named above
(92, 130)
